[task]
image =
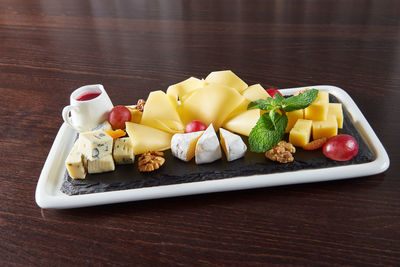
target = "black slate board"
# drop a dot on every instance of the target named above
(175, 171)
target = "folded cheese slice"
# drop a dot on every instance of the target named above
(145, 138)
(227, 78)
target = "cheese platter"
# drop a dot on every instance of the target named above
(205, 173)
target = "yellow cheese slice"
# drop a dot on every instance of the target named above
(160, 112)
(145, 138)
(184, 87)
(227, 78)
(211, 104)
(243, 122)
(255, 92)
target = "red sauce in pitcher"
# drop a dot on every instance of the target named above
(88, 96)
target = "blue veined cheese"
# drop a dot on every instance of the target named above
(76, 163)
(95, 144)
(103, 164)
(207, 147)
(105, 126)
(123, 151)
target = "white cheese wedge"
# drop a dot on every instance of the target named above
(145, 138)
(232, 144)
(103, 126)
(95, 144)
(227, 78)
(123, 151)
(104, 164)
(207, 147)
(76, 163)
(183, 146)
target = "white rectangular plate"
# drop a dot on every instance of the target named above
(48, 194)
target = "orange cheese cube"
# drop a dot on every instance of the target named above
(300, 133)
(336, 110)
(293, 116)
(326, 128)
(318, 110)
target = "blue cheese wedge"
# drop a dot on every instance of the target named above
(207, 147)
(95, 144)
(103, 164)
(103, 126)
(183, 145)
(123, 151)
(232, 144)
(76, 163)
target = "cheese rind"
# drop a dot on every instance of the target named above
(95, 144)
(227, 78)
(318, 110)
(232, 144)
(328, 128)
(76, 163)
(183, 146)
(103, 164)
(207, 147)
(145, 138)
(123, 151)
(300, 133)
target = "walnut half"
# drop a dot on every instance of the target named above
(150, 161)
(282, 152)
(140, 105)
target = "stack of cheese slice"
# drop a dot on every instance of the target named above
(205, 146)
(221, 99)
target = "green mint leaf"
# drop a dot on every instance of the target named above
(267, 105)
(272, 116)
(267, 133)
(300, 101)
(278, 98)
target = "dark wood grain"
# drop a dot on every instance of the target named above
(49, 48)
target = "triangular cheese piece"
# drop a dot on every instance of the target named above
(227, 78)
(207, 147)
(183, 146)
(244, 122)
(232, 144)
(255, 92)
(145, 138)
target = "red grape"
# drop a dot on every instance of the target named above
(118, 116)
(341, 147)
(195, 126)
(272, 92)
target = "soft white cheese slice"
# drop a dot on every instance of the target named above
(232, 144)
(183, 145)
(207, 147)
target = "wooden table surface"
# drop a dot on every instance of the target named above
(49, 48)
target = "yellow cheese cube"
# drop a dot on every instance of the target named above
(318, 110)
(326, 128)
(300, 133)
(292, 118)
(336, 110)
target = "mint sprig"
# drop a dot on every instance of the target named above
(270, 127)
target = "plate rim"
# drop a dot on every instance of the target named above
(54, 167)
